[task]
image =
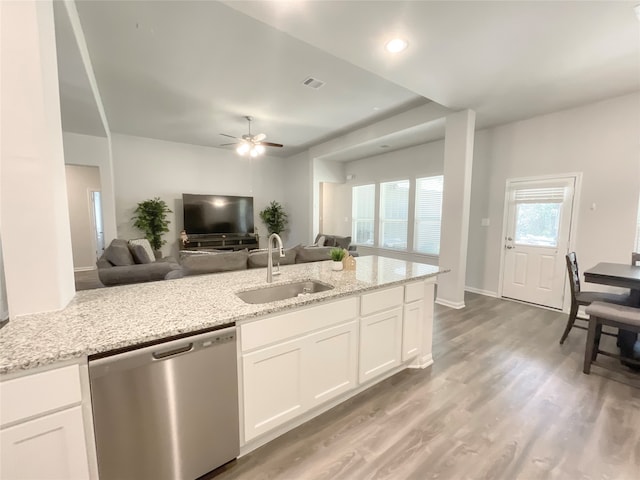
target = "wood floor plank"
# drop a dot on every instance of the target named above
(503, 400)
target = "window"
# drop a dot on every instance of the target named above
(538, 216)
(428, 215)
(638, 231)
(394, 213)
(363, 214)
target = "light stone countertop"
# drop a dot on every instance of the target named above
(105, 319)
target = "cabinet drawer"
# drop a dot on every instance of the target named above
(413, 292)
(35, 394)
(382, 300)
(299, 322)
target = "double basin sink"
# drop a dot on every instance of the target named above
(283, 291)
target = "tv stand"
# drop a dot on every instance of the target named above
(229, 241)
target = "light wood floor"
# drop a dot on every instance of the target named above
(503, 400)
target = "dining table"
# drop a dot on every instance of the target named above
(615, 274)
(619, 275)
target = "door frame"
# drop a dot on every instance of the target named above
(573, 225)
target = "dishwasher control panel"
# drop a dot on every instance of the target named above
(219, 339)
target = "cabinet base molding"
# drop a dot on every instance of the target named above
(304, 418)
(423, 362)
(447, 303)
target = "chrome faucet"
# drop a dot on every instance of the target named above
(270, 272)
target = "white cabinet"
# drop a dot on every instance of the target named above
(380, 332)
(283, 381)
(43, 434)
(380, 343)
(411, 320)
(273, 380)
(332, 363)
(295, 361)
(51, 447)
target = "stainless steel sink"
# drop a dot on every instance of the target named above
(283, 291)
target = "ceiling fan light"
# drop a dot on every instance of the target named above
(259, 149)
(243, 148)
(254, 152)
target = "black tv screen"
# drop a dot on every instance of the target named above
(217, 214)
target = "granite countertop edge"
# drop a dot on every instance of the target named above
(29, 342)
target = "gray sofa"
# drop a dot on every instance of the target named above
(336, 241)
(197, 263)
(118, 266)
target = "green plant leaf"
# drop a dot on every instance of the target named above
(151, 218)
(274, 217)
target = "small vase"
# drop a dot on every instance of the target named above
(336, 266)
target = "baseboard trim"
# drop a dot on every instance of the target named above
(423, 362)
(479, 291)
(447, 303)
(84, 269)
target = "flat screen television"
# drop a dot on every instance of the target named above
(207, 214)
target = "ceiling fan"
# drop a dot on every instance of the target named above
(251, 144)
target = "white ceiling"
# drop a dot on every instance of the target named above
(187, 71)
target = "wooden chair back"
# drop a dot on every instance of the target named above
(574, 274)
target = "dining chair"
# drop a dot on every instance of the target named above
(622, 317)
(582, 298)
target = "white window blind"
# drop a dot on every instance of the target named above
(540, 195)
(394, 212)
(363, 206)
(428, 215)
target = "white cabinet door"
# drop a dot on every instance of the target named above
(51, 447)
(380, 343)
(331, 359)
(412, 318)
(272, 387)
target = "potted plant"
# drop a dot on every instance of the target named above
(274, 217)
(151, 217)
(337, 254)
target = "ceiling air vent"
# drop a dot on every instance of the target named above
(313, 83)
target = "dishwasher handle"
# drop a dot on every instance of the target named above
(174, 351)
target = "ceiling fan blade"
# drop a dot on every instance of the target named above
(225, 135)
(270, 144)
(259, 137)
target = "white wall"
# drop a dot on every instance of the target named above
(95, 151)
(323, 171)
(81, 180)
(601, 140)
(298, 199)
(145, 168)
(35, 215)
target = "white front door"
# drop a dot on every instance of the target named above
(538, 215)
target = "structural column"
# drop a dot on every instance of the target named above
(458, 162)
(36, 239)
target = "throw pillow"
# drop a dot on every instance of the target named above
(321, 240)
(343, 242)
(118, 254)
(146, 245)
(139, 254)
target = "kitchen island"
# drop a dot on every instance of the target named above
(376, 320)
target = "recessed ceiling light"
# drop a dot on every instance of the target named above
(376, 108)
(396, 45)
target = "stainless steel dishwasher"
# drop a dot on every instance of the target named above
(167, 411)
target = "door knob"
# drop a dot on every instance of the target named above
(508, 246)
